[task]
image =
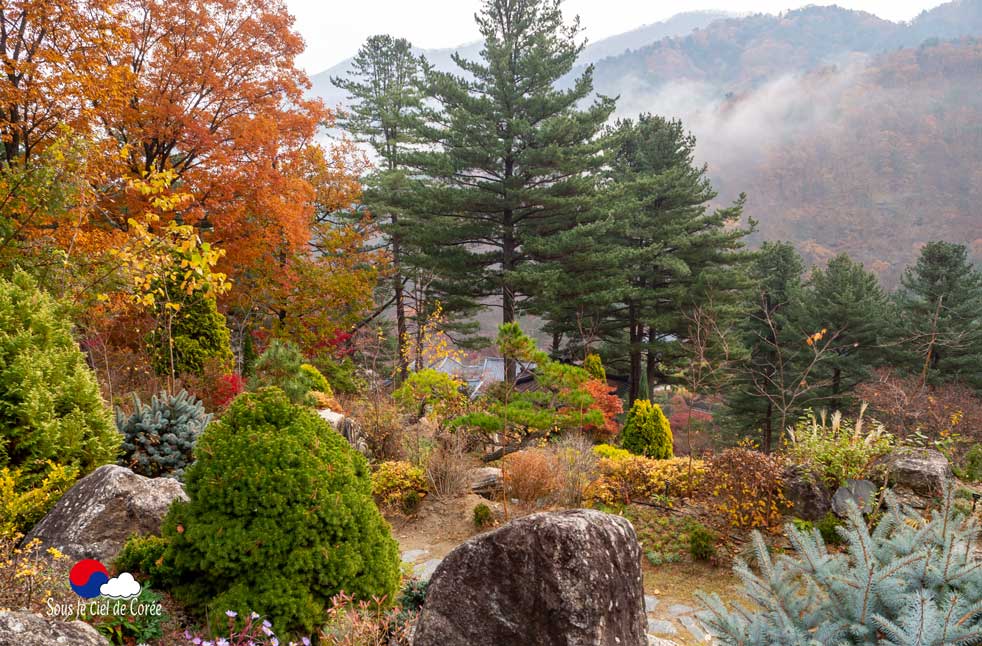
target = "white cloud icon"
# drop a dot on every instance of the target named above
(123, 586)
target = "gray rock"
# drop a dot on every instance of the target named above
(424, 571)
(487, 482)
(916, 475)
(569, 578)
(661, 627)
(658, 641)
(809, 498)
(411, 556)
(862, 493)
(650, 603)
(679, 609)
(96, 516)
(27, 629)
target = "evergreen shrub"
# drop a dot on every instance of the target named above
(913, 580)
(280, 519)
(159, 437)
(51, 410)
(647, 431)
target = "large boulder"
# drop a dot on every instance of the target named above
(27, 629)
(96, 516)
(809, 498)
(917, 476)
(569, 578)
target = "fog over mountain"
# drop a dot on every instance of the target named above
(848, 132)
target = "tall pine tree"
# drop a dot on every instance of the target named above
(384, 87)
(653, 247)
(940, 303)
(512, 154)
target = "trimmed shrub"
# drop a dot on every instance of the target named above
(647, 431)
(626, 479)
(159, 437)
(430, 392)
(315, 380)
(393, 481)
(611, 452)
(50, 406)
(280, 519)
(595, 367)
(199, 334)
(145, 554)
(971, 467)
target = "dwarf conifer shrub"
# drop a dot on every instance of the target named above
(647, 431)
(911, 581)
(159, 437)
(280, 519)
(199, 334)
(51, 410)
(281, 365)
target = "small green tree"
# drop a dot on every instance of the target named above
(595, 367)
(50, 405)
(911, 581)
(198, 332)
(281, 365)
(431, 391)
(514, 418)
(647, 431)
(280, 519)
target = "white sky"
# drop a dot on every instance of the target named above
(334, 30)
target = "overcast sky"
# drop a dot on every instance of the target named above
(334, 30)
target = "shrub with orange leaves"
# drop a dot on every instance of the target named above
(531, 476)
(609, 405)
(747, 487)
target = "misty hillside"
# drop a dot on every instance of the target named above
(848, 132)
(678, 25)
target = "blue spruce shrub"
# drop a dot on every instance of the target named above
(280, 519)
(911, 581)
(159, 437)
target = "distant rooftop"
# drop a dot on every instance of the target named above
(478, 376)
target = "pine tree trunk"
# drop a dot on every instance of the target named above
(507, 295)
(634, 381)
(651, 366)
(767, 427)
(402, 342)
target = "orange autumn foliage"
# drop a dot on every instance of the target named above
(609, 404)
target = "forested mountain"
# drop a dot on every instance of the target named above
(848, 132)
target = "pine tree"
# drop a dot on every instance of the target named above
(768, 333)
(940, 303)
(847, 299)
(647, 431)
(654, 245)
(386, 104)
(911, 581)
(513, 154)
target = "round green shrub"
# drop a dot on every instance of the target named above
(280, 519)
(199, 333)
(315, 380)
(50, 405)
(144, 554)
(702, 543)
(595, 367)
(159, 437)
(647, 431)
(483, 516)
(971, 468)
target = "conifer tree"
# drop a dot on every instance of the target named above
(940, 303)
(773, 309)
(910, 581)
(653, 244)
(847, 299)
(513, 154)
(387, 102)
